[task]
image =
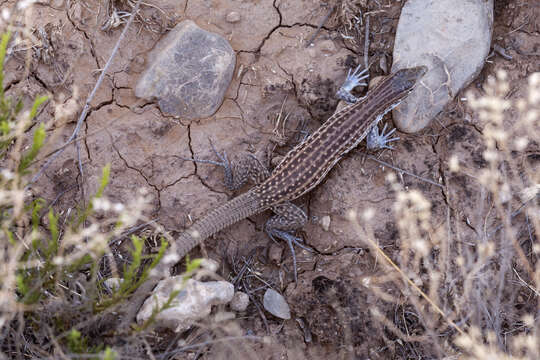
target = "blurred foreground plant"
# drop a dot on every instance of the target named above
(475, 290)
(50, 282)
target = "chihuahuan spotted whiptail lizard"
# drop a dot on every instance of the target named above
(303, 168)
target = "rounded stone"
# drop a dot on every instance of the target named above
(189, 72)
(233, 17)
(239, 302)
(276, 305)
(452, 38)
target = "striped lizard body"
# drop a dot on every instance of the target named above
(306, 165)
(303, 168)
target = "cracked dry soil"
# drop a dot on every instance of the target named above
(274, 70)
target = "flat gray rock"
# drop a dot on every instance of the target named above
(189, 72)
(452, 38)
(276, 305)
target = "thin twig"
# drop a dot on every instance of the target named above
(84, 113)
(320, 26)
(132, 230)
(512, 216)
(524, 283)
(366, 43)
(403, 171)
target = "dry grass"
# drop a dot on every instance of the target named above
(476, 295)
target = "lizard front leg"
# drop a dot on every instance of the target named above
(237, 173)
(375, 140)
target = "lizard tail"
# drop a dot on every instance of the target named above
(232, 211)
(221, 217)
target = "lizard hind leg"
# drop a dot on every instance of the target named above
(237, 173)
(288, 217)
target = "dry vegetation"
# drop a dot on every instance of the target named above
(473, 294)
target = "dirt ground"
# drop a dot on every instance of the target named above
(274, 70)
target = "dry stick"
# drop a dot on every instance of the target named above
(366, 43)
(84, 113)
(403, 171)
(320, 26)
(69, 143)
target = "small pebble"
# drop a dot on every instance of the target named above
(383, 64)
(240, 301)
(274, 253)
(276, 305)
(327, 47)
(325, 222)
(233, 17)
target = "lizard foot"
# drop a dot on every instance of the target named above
(376, 140)
(353, 80)
(290, 239)
(223, 162)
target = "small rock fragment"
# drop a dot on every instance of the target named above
(189, 72)
(275, 252)
(276, 305)
(383, 64)
(232, 17)
(452, 38)
(240, 301)
(327, 47)
(194, 302)
(325, 222)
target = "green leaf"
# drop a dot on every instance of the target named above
(37, 205)
(53, 242)
(193, 265)
(75, 343)
(10, 237)
(21, 285)
(131, 272)
(109, 354)
(39, 138)
(39, 100)
(105, 175)
(3, 50)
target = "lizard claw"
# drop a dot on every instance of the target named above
(353, 80)
(376, 140)
(290, 239)
(223, 162)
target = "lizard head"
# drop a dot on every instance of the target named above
(405, 79)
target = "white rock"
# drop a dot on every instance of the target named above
(194, 302)
(452, 38)
(233, 17)
(240, 301)
(325, 222)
